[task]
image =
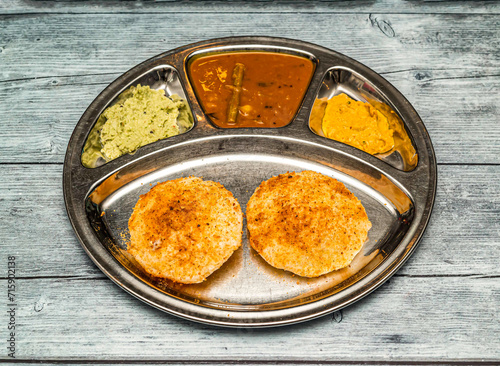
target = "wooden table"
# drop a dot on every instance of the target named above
(441, 307)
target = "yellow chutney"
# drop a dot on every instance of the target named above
(357, 124)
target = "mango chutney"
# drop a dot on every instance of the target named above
(250, 89)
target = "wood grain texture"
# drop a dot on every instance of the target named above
(442, 307)
(447, 292)
(143, 362)
(95, 320)
(97, 43)
(259, 363)
(228, 362)
(461, 240)
(437, 62)
(282, 6)
(256, 363)
(49, 109)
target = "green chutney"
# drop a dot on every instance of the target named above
(140, 116)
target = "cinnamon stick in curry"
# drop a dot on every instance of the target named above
(234, 103)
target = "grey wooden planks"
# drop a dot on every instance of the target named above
(143, 362)
(447, 292)
(206, 363)
(405, 319)
(115, 42)
(56, 56)
(282, 6)
(49, 109)
(461, 240)
(46, 82)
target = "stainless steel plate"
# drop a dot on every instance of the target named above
(246, 291)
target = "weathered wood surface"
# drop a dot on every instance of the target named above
(446, 65)
(461, 240)
(50, 107)
(210, 363)
(441, 307)
(207, 363)
(281, 6)
(454, 312)
(407, 318)
(448, 292)
(115, 42)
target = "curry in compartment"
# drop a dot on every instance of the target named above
(402, 141)
(354, 123)
(250, 89)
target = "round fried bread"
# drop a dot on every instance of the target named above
(185, 229)
(306, 223)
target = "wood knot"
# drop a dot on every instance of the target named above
(337, 316)
(39, 305)
(421, 75)
(384, 26)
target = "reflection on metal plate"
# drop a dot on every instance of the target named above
(397, 191)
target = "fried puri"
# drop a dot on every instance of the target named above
(306, 223)
(185, 229)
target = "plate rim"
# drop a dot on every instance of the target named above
(106, 262)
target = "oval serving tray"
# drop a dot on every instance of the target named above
(246, 291)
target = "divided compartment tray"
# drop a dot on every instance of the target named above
(246, 291)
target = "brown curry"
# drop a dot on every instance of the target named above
(250, 89)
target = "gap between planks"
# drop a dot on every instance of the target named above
(248, 11)
(103, 277)
(120, 73)
(239, 6)
(249, 363)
